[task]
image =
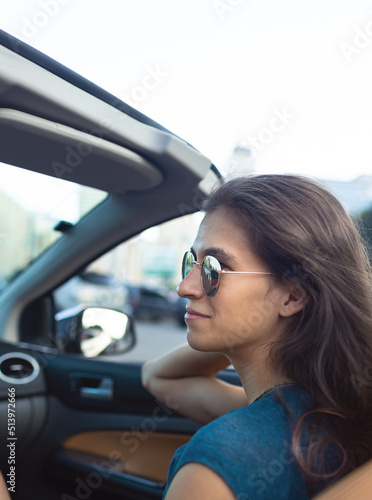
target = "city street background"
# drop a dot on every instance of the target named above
(155, 338)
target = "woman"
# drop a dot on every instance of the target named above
(278, 284)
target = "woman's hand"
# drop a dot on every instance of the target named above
(184, 379)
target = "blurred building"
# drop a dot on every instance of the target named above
(13, 250)
(153, 257)
(241, 162)
(33, 234)
(355, 195)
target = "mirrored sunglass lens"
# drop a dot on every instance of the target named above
(187, 264)
(210, 275)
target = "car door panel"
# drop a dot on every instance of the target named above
(137, 432)
(121, 445)
(134, 463)
(145, 454)
(117, 445)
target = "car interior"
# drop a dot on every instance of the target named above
(84, 426)
(76, 415)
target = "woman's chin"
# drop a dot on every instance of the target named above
(196, 340)
(201, 341)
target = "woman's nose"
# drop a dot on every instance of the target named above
(191, 285)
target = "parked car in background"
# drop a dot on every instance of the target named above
(92, 289)
(181, 310)
(150, 303)
(155, 303)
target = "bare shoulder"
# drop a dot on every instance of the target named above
(198, 482)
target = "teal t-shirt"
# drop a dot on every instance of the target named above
(250, 448)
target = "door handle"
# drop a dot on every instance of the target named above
(97, 388)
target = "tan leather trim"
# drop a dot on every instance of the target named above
(355, 486)
(143, 454)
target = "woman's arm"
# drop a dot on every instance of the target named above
(198, 482)
(4, 494)
(184, 379)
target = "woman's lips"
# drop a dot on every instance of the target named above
(192, 315)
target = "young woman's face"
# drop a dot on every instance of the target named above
(244, 313)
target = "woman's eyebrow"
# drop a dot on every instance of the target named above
(218, 253)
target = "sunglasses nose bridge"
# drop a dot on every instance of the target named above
(191, 284)
(204, 281)
(194, 265)
(209, 275)
(199, 265)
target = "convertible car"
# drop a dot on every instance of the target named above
(75, 420)
(80, 422)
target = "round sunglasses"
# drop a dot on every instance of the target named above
(210, 271)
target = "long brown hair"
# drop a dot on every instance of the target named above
(305, 236)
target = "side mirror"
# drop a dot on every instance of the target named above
(94, 331)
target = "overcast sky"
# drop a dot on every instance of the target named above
(291, 78)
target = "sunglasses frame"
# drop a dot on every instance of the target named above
(218, 270)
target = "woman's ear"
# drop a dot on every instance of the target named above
(294, 300)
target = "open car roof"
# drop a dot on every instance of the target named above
(55, 122)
